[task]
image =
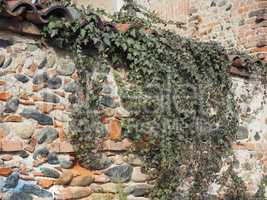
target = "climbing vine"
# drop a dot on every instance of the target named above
(1, 5)
(183, 117)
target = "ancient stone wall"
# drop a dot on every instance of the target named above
(250, 146)
(37, 161)
(37, 86)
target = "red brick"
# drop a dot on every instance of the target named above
(48, 107)
(115, 130)
(4, 96)
(45, 183)
(26, 102)
(5, 171)
(12, 145)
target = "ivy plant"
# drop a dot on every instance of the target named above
(183, 116)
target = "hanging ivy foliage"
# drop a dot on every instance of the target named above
(183, 117)
(2, 5)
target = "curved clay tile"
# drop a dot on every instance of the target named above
(16, 8)
(56, 10)
(15, 4)
(35, 13)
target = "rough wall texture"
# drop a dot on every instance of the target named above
(234, 23)
(237, 24)
(250, 147)
(36, 86)
(36, 159)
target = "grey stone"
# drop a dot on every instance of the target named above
(257, 136)
(4, 129)
(12, 180)
(139, 176)
(55, 82)
(40, 78)
(82, 181)
(66, 69)
(47, 134)
(242, 133)
(5, 43)
(107, 89)
(108, 101)
(12, 105)
(1, 164)
(22, 78)
(28, 62)
(52, 159)
(48, 172)
(73, 98)
(50, 97)
(213, 4)
(7, 63)
(111, 187)
(23, 154)
(258, 12)
(51, 60)
(228, 7)
(96, 188)
(70, 87)
(236, 164)
(241, 22)
(139, 190)
(120, 174)
(222, 3)
(33, 189)
(18, 196)
(23, 130)
(66, 164)
(38, 116)
(32, 47)
(40, 152)
(133, 159)
(102, 196)
(98, 161)
(42, 63)
(60, 115)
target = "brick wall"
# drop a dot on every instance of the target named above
(238, 24)
(234, 23)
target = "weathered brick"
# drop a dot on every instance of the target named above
(4, 96)
(11, 145)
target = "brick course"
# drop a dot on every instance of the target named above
(234, 23)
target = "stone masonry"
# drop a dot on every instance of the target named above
(37, 86)
(36, 159)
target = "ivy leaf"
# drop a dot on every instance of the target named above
(107, 41)
(53, 33)
(83, 33)
(124, 46)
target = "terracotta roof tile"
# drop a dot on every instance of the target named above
(34, 13)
